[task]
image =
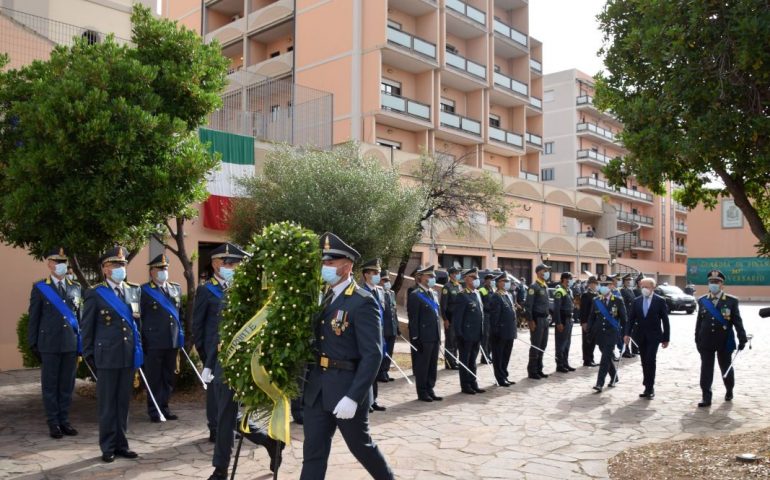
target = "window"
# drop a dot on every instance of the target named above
(275, 54)
(390, 86)
(459, 261)
(548, 148)
(451, 48)
(447, 105)
(491, 168)
(595, 176)
(518, 267)
(548, 96)
(394, 24)
(523, 223)
(585, 267)
(275, 113)
(389, 143)
(600, 269)
(546, 174)
(557, 268)
(494, 120)
(497, 68)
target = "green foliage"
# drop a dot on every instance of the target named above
(691, 83)
(338, 191)
(98, 145)
(284, 269)
(28, 359)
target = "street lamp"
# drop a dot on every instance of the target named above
(577, 252)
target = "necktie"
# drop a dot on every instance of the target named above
(62, 292)
(646, 306)
(119, 293)
(327, 299)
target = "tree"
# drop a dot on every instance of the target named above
(691, 83)
(338, 191)
(98, 144)
(454, 195)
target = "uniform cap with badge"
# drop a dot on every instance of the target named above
(159, 262)
(333, 247)
(229, 253)
(57, 254)
(716, 276)
(542, 267)
(372, 265)
(114, 255)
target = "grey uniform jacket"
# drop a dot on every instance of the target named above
(159, 328)
(48, 330)
(106, 335)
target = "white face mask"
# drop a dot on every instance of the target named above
(431, 282)
(476, 283)
(507, 286)
(714, 288)
(571, 282)
(162, 276)
(546, 275)
(386, 285)
(60, 269)
(646, 292)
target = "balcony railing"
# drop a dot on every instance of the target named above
(680, 208)
(534, 139)
(590, 127)
(681, 228)
(635, 218)
(511, 84)
(646, 244)
(462, 63)
(532, 177)
(680, 249)
(464, 9)
(602, 185)
(412, 43)
(593, 155)
(513, 34)
(536, 102)
(461, 123)
(506, 137)
(536, 65)
(585, 100)
(404, 105)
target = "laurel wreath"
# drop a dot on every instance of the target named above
(285, 269)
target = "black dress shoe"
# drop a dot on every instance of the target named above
(435, 397)
(650, 396)
(509, 382)
(155, 419)
(704, 403)
(170, 416)
(67, 429)
(503, 384)
(378, 408)
(468, 391)
(126, 453)
(571, 369)
(729, 396)
(597, 388)
(543, 375)
(611, 385)
(108, 457)
(382, 379)
(627, 355)
(590, 364)
(424, 398)
(55, 431)
(391, 379)
(563, 370)
(212, 437)
(478, 390)
(219, 474)
(644, 394)
(533, 376)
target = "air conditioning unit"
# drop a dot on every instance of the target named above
(236, 17)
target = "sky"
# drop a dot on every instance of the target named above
(569, 32)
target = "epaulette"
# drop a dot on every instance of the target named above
(47, 280)
(212, 281)
(174, 283)
(72, 282)
(731, 296)
(135, 285)
(100, 284)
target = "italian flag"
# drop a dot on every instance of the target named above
(237, 153)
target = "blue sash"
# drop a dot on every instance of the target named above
(217, 291)
(606, 314)
(61, 305)
(425, 298)
(709, 306)
(108, 295)
(164, 302)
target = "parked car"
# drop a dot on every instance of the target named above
(676, 299)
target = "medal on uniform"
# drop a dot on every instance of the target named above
(135, 309)
(339, 322)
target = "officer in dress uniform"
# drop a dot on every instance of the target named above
(627, 292)
(112, 346)
(608, 315)
(448, 304)
(53, 336)
(424, 331)
(502, 321)
(718, 316)
(348, 341)
(370, 274)
(469, 330)
(537, 311)
(162, 335)
(486, 289)
(563, 303)
(390, 329)
(586, 304)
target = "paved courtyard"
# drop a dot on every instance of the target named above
(553, 428)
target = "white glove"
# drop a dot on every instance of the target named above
(206, 375)
(345, 409)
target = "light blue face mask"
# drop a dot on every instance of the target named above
(507, 286)
(118, 274)
(329, 274)
(387, 286)
(60, 269)
(227, 274)
(546, 275)
(571, 282)
(431, 282)
(714, 288)
(604, 289)
(375, 279)
(458, 276)
(162, 276)
(476, 283)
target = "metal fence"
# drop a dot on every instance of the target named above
(275, 110)
(26, 37)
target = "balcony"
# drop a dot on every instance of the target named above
(590, 183)
(464, 65)
(532, 177)
(464, 20)
(587, 102)
(536, 66)
(628, 217)
(584, 100)
(511, 42)
(227, 34)
(597, 132)
(680, 208)
(507, 141)
(462, 73)
(680, 228)
(404, 113)
(536, 102)
(274, 67)
(533, 139)
(680, 249)
(593, 157)
(646, 245)
(412, 54)
(270, 15)
(459, 122)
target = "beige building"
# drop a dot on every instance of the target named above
(647, 232)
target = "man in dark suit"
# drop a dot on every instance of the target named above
(53, 335)
(370, 276)
(162, 335)
(586, 304)
(448, 304)
(348, 340)
(604, 325)
(537, 311)
(390, 329)
(563, 303)
(627, 292)
(719, 320)
(112, 346)
(648, 326)
(469, 329)
(502, 321)
(422, 310)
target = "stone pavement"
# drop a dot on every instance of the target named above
(553, 428)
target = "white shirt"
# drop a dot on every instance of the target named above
(114, 285)
(340, 288)
(56, 283)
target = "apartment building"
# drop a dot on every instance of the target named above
(647, 232)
